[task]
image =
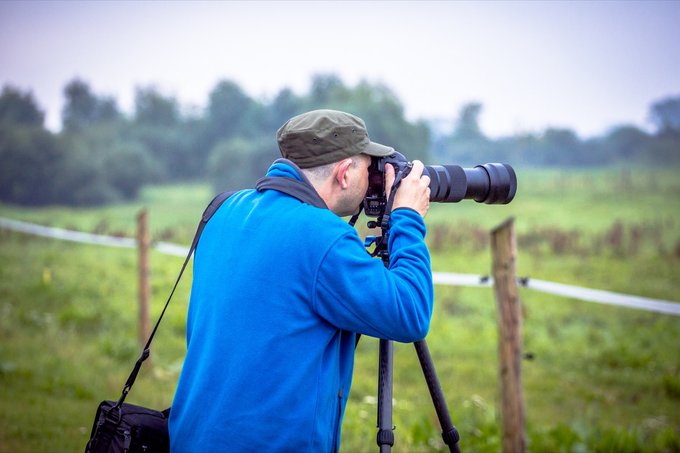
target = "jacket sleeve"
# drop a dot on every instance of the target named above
(357, 293)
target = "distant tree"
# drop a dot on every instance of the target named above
(167, 138)
(29, 157)
(560, 147)
(238, 163)
(467, 127)
(383, 113)
(664, 148)
(284, 106)
(169, 149)
(153, 108)
(380, 109)
(230, 112)
(466, 145)
(627, 143)
(516, 149)
(327, 89)
(196, 148)
(106, 158)
(29, 154)
(665, 114)
(17, 107)
(83, 108)
(128, 167)
(82, 179)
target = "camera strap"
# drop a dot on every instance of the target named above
(385, 221)
(207, 214)
(302, 190)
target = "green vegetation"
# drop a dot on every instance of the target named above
(600, 378)
(103, 156)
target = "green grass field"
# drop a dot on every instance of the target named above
(601, 378)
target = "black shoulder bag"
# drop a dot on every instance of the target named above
(122, 427)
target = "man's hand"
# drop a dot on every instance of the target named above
(414, 190)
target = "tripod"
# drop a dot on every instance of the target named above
(385, 436)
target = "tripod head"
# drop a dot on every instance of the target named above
(381, 249)
(380, 242)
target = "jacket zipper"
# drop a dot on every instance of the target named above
(337, 422)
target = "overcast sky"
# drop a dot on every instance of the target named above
(582, 65)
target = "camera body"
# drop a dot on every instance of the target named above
(491, 183)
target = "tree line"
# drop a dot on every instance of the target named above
(620, 145)
(102, 155)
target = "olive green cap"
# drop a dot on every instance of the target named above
(322, 137)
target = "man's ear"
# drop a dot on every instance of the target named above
(341, 172)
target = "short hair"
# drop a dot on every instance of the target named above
(323, 172)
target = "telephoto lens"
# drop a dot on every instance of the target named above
(488, 183)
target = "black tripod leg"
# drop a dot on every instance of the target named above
(449, 432)
(385, 433)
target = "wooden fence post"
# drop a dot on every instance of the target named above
(143, 245)
(504, 251)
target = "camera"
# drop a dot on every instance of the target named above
(492, 183)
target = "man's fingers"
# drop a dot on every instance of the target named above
(417, 169)
(389, 178)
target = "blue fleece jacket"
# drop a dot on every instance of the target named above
(279, 290)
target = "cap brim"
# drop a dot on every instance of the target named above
(378, 150)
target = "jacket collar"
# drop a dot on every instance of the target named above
(284, 176)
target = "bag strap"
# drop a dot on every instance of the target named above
(207, 214)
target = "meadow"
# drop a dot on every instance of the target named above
(595, 378)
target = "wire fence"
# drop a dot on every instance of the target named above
(440, 278)
(560, 289)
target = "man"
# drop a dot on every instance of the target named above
(282, 286)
